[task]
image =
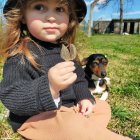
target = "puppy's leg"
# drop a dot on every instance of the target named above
(104, 96)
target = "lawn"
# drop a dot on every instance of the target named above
(123, 53)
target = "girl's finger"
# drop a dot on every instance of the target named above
(71, 79)
(64, 64)
(67, 76)
(83, 109)
(88, 110)
(67, 70)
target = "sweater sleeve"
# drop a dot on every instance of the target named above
(81, 86)
(23, 91)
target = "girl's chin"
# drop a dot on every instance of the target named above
(51, 38)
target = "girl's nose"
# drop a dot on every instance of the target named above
(50, 17)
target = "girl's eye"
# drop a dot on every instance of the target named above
(60, 9)
(39, 7)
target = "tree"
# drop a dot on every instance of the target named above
(121, 4)
(121, 16)
(92, 5)
(104, 4)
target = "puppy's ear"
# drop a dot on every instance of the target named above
(84, 61)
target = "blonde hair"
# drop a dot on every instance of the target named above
(14, 35)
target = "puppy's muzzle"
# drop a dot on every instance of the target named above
(103, 74)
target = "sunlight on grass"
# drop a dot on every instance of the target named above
(6, 132)
(122, 113)
(123, 53)
(125, 115)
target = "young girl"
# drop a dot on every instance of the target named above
(36, 78)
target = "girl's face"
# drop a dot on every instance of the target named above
(47, 21)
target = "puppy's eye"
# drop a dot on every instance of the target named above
(105, 63)
(94, 64)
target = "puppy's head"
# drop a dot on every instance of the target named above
(97, 64)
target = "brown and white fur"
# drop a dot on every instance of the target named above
(95, 73)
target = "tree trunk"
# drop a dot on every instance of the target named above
(121, 16)
(90, 24)
(90, 21)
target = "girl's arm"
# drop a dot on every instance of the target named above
(23, 91)
(81, 86)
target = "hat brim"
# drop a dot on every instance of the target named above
(81, 8)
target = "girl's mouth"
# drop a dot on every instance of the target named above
(50, 29)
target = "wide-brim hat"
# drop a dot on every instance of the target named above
(81, 8)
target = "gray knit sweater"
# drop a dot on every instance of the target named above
(25, 91)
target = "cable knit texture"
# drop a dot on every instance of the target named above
(25, 91)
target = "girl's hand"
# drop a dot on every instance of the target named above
(86, 106)
(61, 76)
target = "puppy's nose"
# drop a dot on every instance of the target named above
(103, 74)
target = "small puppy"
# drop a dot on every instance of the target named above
(95, 73)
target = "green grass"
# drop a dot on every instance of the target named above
(123, 53)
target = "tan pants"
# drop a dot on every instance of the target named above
(67, 124)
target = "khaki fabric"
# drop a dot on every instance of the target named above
(69, 124)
